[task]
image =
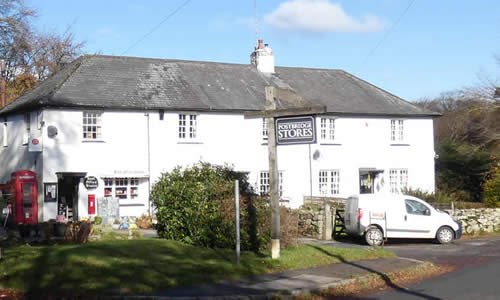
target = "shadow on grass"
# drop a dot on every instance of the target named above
(384, 277)
(118, 267)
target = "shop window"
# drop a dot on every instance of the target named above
(329, 182)
(92, 125)
(121, 187)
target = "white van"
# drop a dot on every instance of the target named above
(381, 216)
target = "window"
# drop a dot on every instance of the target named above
(327, 129)
(92, 125)
(398, 180)
(27, 125)
(414, 207)
(5, 144)
(329, 182)
(264, 183)
(187, 126)
(124, 188)
(397, 131)
(265, 129)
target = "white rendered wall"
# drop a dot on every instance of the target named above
(222, 138)
(15, 155)
(122, 152)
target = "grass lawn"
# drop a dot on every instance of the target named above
(146, 265)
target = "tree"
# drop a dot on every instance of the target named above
(30, 56)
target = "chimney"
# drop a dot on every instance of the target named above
(2, 85)
(262, 57)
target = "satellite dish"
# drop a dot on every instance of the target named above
(316, 155)
(51, 131)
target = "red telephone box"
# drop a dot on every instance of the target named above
(24, 199)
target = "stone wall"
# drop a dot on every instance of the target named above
(476, 220)
(317, 215)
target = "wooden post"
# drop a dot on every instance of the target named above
(273, 177)
(2, 85)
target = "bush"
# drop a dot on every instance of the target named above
(492, 189)
(144, 222)
(98, 220)
(196, 206)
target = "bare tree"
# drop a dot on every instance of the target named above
(30, 56)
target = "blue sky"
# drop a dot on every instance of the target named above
(436, 46)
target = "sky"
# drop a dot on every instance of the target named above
(412, 48)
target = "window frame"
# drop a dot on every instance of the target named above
(265, 130)
(98, 125)
(188, 127)
(398, 131)
(5, 135)
(330, 182)
(398, 180)
(265, 187)
(327, 132)
(27, 128)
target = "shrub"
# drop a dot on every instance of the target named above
(492, 189)
(196, 206)
(98, 220)
(144, 222)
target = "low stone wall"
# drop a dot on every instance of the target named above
(476, 220)
(317, 215)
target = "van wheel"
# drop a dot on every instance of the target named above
(445, 235)
(374, 236)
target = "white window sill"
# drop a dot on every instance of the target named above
(400, 144)
(189, 142)
(330, 143)
(93, 141)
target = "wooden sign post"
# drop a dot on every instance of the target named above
(271, 112)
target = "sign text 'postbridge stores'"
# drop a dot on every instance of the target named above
(295, 130)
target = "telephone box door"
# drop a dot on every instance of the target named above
(29, 214)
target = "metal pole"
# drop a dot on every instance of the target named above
(237, 205)
(273, 181)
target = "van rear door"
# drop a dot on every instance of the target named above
(351, 215)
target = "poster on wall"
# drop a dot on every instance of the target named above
(50, 192)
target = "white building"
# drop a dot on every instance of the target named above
(124, 120)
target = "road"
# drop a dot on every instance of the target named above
(476, 263)
(473, 282)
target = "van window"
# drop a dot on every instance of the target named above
(416, 208)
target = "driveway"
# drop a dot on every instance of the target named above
(463, 252)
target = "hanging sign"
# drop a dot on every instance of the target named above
(295, 130)
(90, 182)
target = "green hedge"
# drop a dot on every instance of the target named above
(196, 206)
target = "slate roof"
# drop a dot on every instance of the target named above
(113, 82)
